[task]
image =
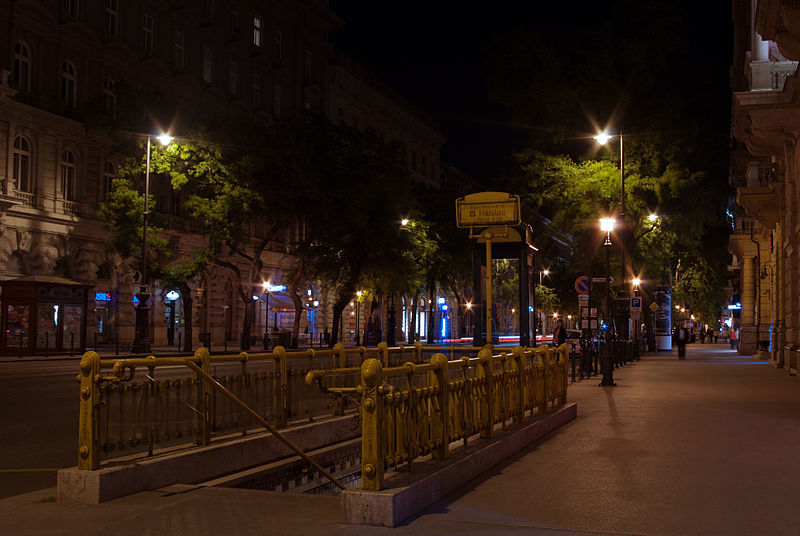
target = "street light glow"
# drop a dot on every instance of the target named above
(546, 271)
(607, 224)
(636, 281)
(602, 138)
(164, 139)
(265, 285)
(469, 305)
(404, 222)
(653, 217)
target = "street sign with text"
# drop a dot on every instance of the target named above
(487, 208)
(602, 279)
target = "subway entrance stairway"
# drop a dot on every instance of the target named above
(701, 446)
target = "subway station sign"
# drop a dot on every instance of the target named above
(487, 208)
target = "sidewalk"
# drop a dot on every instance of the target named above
(702, 446)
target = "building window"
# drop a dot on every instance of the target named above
(233, 78)
(111, 18)
(179, 52)
(109, 174)
(308, 64)
(235, 16)
(68, 175)
(21, 173)
(257, 30)
(71, 8)
(110, 95)
(279, 44)
(22, 66)
(277, 100)
(256, 90)
(148, 24)
(208, 64)
(68, 80)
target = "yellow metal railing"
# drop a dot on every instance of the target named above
(140, 404)
(416, 409)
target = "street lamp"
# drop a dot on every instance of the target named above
(636, 343)
(266, 285)
(358, 319)
(141, 343)
(602, 138)
(607, 225)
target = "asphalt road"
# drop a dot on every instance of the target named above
(39, 416)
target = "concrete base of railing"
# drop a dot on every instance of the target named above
(124, 476)
(408, 493)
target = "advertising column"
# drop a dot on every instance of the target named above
(663, 318)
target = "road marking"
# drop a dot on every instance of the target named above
(35, 470)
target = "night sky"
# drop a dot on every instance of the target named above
(435, 54)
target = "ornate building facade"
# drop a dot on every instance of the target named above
(765, 159)
(62, 60)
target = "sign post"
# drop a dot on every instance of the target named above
(487, 209)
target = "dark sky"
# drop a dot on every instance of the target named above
(434, 53)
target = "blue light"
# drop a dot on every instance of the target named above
(102, 296)
(444, 327)
(530, 308)
(440, 300)
(444, 307)
(135, 299)
(276, 288)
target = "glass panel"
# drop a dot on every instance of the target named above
(48, 322)
(72, 324)
(17, 326)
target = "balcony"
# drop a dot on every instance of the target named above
(770, 75)
(26, 198)
(759, 194)
(71, 208)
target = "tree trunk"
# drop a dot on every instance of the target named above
(431, 319)
(338, 308)
(412, 338)
(244, 343)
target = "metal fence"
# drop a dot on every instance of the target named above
(416, 409)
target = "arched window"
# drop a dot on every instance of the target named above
(22, 67)
(21, 173)
(68, 175)
(109, 174)
(68, 82)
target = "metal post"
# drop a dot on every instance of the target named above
(488, 237)
(266, 320)
(71, 343)
(179, 339)
(607, 365)
(141, 340)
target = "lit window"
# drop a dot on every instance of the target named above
(22, 67)
(109, 174)
(208, 64)
(21, 173)
(68, 175)
(111, 18)
(257, 30)
(68, 80)
(179, 52)
(148, 25)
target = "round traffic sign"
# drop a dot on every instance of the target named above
(582, 285)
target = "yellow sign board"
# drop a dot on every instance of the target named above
(487, 208)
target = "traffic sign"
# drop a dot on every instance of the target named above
(602, 279)
(582, 285)
(636, 304)
(653, 307)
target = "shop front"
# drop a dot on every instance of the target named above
(43, 314)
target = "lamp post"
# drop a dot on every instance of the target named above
(141, 343)
(607, 225)
(602, 138)
(636, 282)
(536, 309)
(358, 319)
(266, 285)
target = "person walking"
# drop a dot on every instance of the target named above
(682, 339)
(559, 334)
(732, 338)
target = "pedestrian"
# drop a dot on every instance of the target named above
(702, 335)
(682, 338)
(559, 334)
(732, 338)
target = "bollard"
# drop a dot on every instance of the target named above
(225, 341)
(71, 343)
(116, 333)
(179, 339)
(95, 341)
(46, 344)
(572, 358)
(20, 346)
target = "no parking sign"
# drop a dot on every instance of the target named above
(582, 285)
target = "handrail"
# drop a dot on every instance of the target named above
(210, 379)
